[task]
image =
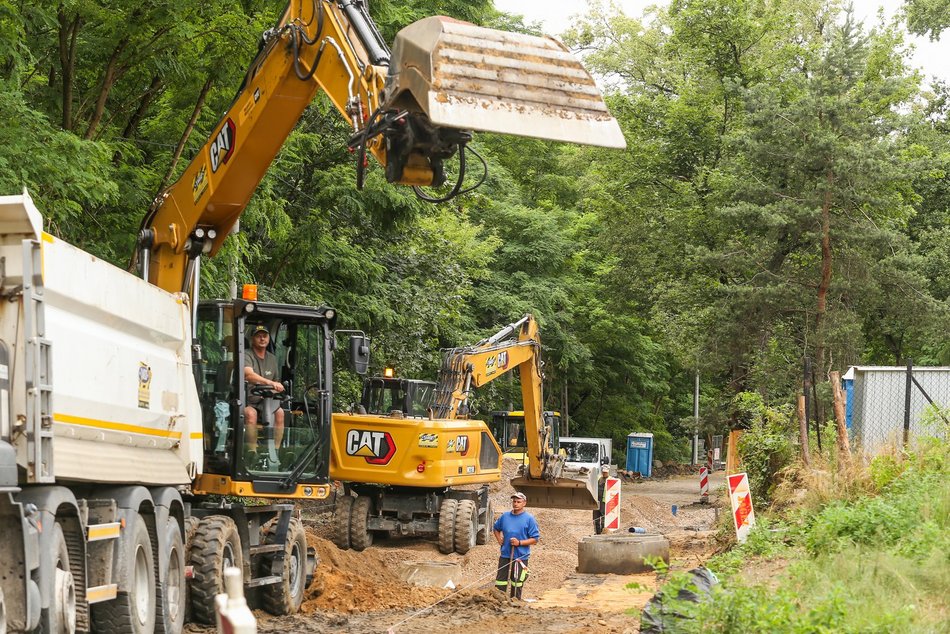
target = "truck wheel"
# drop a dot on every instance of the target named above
(63, 613)
(3, 614)
(285, 597)
(447, 526)
(481, 537)
(341, 521)
(171, 611)
(216, 546)
(133, 611)
(360, 536)
(466, 525)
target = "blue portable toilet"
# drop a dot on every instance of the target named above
(640, 453)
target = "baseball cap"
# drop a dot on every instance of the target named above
(260, 328)
(605, 469)
(519, 495)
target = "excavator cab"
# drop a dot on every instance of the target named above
(387, 396)
(286, 450)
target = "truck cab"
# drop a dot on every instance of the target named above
(585, 453)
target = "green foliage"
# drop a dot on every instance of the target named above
(764, 446)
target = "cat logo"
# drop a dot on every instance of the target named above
(223, 146)
(376, 447)
(200, 184)
(496, 362)
(461, 445)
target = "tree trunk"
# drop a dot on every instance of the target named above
(187, 133)
(147, 98)
(67, 62)
(824, 284)
(803, 430)
(109, 78)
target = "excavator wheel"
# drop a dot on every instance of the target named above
(215, 547)
(447, 526)
(466, 525)
(481, 537)
(285, 597)
(361, 537)
(341, 522)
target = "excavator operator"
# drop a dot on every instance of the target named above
(260, 368)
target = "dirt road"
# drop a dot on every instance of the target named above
(362, 592)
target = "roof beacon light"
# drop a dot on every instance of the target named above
(249, 292)
(389, 373)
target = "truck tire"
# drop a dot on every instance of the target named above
(191, 525)
(360, 536)
(171, 609)
(481, 537)
(133, 611)
(447, 526)
(342, 514)
(466, 525)
(285, 597)
(215, 546)
(3, 614)
(62, 614)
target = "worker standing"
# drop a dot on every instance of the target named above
(601, 511)
(515, 531)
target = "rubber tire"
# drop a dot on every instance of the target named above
(61, 562)
(119, 615)
(361, 537)
(483, 534)
(216, 537)
(466, 525)
(285, 597)
(342, 514)
(170, 617)
(3, 614)
(447, 526)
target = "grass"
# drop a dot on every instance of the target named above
(867, 545)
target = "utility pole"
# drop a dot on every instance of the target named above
(696, 420)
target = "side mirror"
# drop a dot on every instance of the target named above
(359, 353)
(605, 460)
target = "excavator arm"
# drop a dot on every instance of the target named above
(517, 345)
(412, 109)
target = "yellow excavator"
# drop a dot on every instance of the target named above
(413, 109)
(407, 475)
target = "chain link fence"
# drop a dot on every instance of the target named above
(893, 405)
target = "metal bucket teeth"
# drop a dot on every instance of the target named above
(469, 77)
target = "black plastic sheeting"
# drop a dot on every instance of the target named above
(662, 614)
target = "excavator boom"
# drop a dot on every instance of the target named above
(412, 109)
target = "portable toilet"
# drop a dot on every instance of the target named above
(640, 453)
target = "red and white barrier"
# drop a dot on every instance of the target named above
(703, 485)
(742, 513)
(612, 505)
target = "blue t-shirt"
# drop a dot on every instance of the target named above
(520, 526)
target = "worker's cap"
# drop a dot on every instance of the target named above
(519, 496)
(605, 469)
(260, 328)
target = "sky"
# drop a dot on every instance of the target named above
(555, 17)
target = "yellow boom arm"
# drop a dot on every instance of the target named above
(517, 345)
(412, 109)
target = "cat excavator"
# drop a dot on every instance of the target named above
(122, 436)
(407, 475)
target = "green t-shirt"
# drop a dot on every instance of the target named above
(266, 367)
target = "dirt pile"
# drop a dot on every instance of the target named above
(350, 581)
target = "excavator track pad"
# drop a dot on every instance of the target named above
(474, 78)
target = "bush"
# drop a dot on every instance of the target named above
(764, 448)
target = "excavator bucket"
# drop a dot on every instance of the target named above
(473, 78)
(564, 493)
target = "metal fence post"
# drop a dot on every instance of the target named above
(907, 388)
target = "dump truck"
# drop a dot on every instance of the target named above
(122, 402)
